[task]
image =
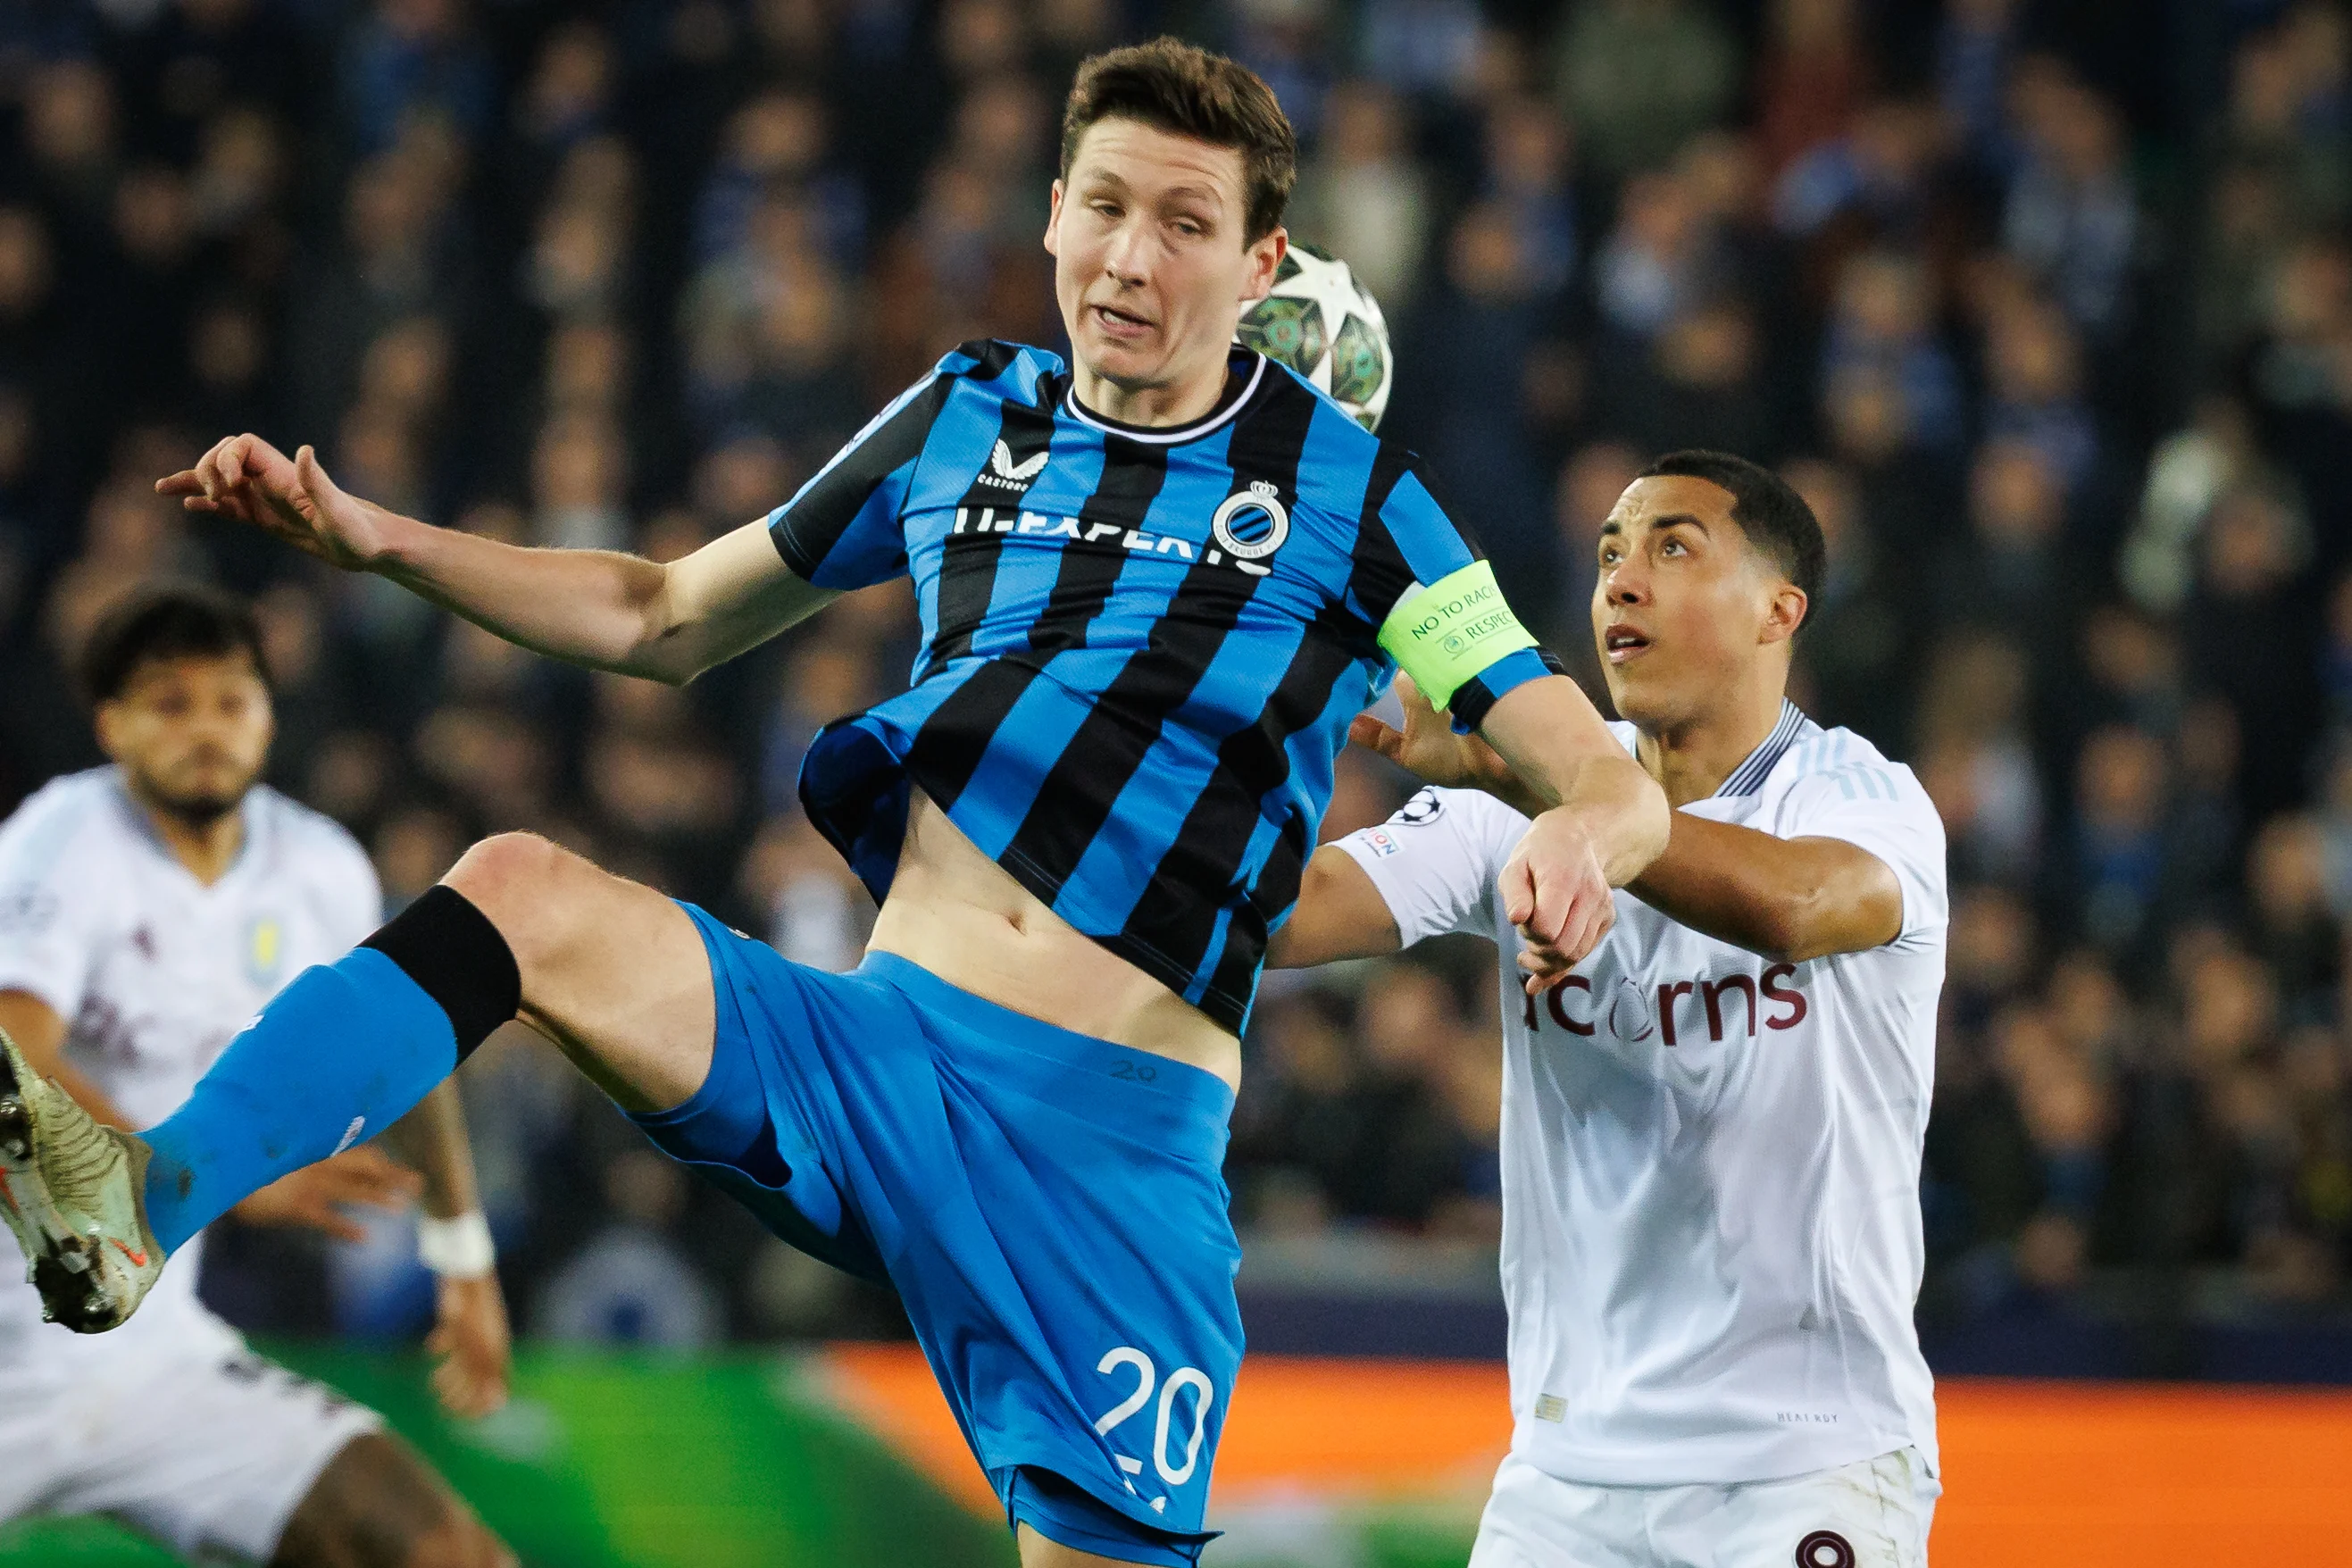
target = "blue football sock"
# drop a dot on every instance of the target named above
(335, 1058)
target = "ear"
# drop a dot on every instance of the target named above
(1266, 258)
(108, 724)
(1053, 223)
(1783, 614)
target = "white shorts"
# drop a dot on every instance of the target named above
(1870, 1514)
(209, 1454)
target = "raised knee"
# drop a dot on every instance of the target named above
(507, 867)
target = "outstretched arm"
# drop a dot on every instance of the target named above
(593, 608)
(472, 1337)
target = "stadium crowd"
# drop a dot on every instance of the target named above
(2046, 308)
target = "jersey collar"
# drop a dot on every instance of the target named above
(135, 817)
(1170, 435)
(1748, 777)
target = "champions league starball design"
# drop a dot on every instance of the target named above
(1323, 324)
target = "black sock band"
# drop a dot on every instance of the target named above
(453, 952)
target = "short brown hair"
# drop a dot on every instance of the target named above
(1185, 90)
(166, 620)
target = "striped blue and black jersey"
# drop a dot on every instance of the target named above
(1142, 647)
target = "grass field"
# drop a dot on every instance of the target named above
(848, 1458)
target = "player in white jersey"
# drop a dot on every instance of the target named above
(147, 910)
(1712, 1127)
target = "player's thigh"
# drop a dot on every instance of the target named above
(613, 971)
(378, 1505)
(1536, 1521)
(211, 1452)
(1872, 1513)
(1037, 1552)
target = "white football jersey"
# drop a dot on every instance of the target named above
(1711, 1228)
(154, 973)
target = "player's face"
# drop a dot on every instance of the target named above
(1150, 267)
(191, 732)
(1684, 606)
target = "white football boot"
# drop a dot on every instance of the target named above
(74, 1193)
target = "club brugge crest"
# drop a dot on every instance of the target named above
(1253, 523)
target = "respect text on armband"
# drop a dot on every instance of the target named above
(1448, 633)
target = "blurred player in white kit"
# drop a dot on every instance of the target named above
(1712, 1127)
(147, 910)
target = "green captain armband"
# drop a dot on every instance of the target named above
(1452, 631)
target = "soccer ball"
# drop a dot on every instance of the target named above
(1323, 324)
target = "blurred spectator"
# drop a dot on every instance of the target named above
(1528, 173)
(578, 484)
(1858, 636)
(1427, 46)
(1703, 385)
(1811, 76)
(2292, 926)
(776, 146)
(631, 1285)
(1638, 76)
(1883, 332)
(2073, 217)
(1977, 761)
(818, 912)
(1657, 260)
(1491, 311)
(412, 59)
(2056, 342)
(2121, 799)
(1361, 197)
(1872, 176)
(2033, 362)
(2247, 642)
(2187, 474)
(1973, 46)
(2012, 573)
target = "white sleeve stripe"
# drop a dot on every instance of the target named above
(1861, 781)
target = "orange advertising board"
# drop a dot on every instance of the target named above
(2084, 1475)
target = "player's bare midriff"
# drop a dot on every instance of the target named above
(960, 916)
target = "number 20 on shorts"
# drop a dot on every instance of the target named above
(1147, 1377)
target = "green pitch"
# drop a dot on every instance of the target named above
(603, 1462)
(719, 1462)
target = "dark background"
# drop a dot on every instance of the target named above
(2048, 307)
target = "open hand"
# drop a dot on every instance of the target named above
(315, 1195)
(1556, 893)
(246, 479)
(475, 1347)
(1427, 746)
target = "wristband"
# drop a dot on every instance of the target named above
(457, 1249)
(1451, 631)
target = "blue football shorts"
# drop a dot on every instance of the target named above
(1050, 1207)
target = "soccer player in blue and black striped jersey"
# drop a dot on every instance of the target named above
(1155, 583)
